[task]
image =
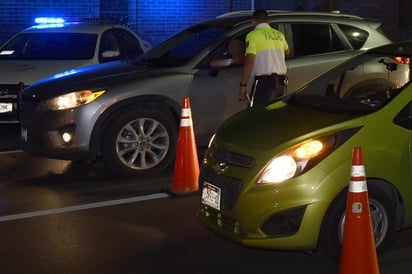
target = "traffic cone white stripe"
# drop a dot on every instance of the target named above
(185, 122)
(358, 186)
(186, 118)
(186, 112)
(358, 171)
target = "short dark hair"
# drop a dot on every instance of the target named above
(260, 15)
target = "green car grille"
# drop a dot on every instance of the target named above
(231, 158)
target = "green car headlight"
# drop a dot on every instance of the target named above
(73, 99)
(293, 161)
(302, 157)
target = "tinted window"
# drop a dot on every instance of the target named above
(311, 39)
(50, 46)
(194, 42)
(274, 25)
(356, 37)
(404, 117)
(128, 43)
(108, 42)
(363, 85)
(185, 45)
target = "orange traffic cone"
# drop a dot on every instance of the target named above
(186, 172)
(358, 245)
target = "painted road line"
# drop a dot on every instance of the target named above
(82, 207)
(10, 151)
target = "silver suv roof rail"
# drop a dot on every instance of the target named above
(250, 12)
(246, 12)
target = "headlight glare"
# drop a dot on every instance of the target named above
(293, 161)
(280, 168)
(73, 99)
(309, 149)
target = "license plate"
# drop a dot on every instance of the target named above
(6, 107)
(211, 195)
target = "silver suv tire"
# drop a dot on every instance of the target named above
(139, 141)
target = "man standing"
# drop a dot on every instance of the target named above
(265, 60)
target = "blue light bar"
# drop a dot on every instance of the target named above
(49, 20)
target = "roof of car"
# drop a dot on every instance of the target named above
(243, 16)
(272, 13)
(92, 26)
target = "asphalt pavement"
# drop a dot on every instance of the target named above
(397, 260)
(9, 137)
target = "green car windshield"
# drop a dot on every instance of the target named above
(362, 85)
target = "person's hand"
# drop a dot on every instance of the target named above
(243, 96)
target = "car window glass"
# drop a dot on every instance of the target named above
(128, 43)
(107, 43)
(357, 37)
(194, 43)
(404, 117)
(360, 87)
(232, 49)
(50, 46)
(274, 25)
(184, 46)
(309, 39)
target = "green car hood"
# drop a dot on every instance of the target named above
(267, 127)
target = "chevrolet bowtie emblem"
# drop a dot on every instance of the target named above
(220, 167)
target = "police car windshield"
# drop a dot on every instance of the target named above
(50, 46)
(362, 85)
(182, 47)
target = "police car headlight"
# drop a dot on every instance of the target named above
(295, 160)
(73, 99)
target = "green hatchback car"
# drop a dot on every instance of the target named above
(275, 176)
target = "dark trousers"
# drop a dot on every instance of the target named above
(266, 88)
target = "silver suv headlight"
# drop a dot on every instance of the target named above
(73, 99)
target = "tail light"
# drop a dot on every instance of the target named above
(402, 60)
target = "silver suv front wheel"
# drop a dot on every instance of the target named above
(139, 142)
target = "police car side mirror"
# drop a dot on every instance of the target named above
(110, 54)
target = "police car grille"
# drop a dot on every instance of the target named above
(9, 94)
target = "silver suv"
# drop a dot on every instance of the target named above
(128, 113)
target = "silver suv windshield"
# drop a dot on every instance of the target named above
(181, 48)
(362, 85)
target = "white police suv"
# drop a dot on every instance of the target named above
(53, 46)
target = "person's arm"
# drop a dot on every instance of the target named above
(248, 66)
(239, 60)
